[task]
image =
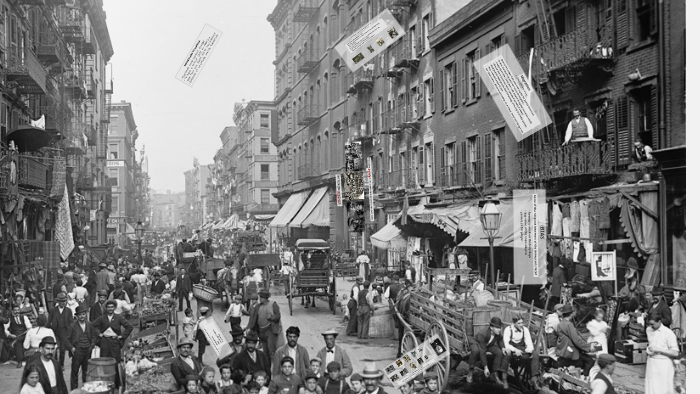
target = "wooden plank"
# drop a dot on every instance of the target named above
(448, 271)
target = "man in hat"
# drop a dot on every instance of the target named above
(392, 291)
(183, 288)
(371, 375)
(98, 309)
(332, 352)
(365, 310)
(201, 337)
(490, 340)
(236, 344)
(59, 286)
(662, 349)
(15, 329)
(602, 382)
(113, 330)
(50, 373)
(158, 286)
(251, 360)
(91, 284)
(292, 349)
(351, 329)
(265, 321)
(102, 278)
(659, 306)
(185, 364)
(60, 320)
(111, 274)
(83, 337)
(572, 349)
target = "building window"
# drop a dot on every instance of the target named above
(264, 145)
(114, 176)
(265, 196)
(264, 121)
(646, 19)
(427, 25)
(499, 154)
(264, 172)
(412, 42)
(429, 164)
(430, 96)
(473, 84)
(449, 91)
(474, 159)
(527, 39)
(114, 151)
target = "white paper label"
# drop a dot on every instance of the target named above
(198, 55)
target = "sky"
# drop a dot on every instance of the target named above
(176, 122)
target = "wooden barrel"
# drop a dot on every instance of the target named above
(482, 317)
(102, 369)
(501, 305)
(515, 311)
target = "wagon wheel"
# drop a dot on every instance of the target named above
(408, 342)
(442, 368)
(291, 291)
(331, 297)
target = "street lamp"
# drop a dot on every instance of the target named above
(491, 222)
(139, 238)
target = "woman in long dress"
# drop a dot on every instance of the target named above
(663, 348)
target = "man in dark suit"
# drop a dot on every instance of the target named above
(129, 289)
(572, 349)
(251, 360)
(237, 346)
(292, 349)
(265, 321)
(60, 320)
(371, 375)
(50, 373)
(185, 364)
(91, 285)
(183, 287)
(158, 286)
(102, 278)
(98, 309)
(659, 305)
(332, 352)
(82, 339)
(113, 330)
(490, 339)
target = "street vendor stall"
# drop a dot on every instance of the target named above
(151, 374)
(156, 311)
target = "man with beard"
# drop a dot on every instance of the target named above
(370, 376)
(113, 330)
(252, 360)
(60, 319)
(292, 349)
(17, 327)
(50, 373)
(236, 345)
(82, 339)
(185, 364)
(331, 352)
(158, 286)
(659, 306)
(98, 309)
(265, 321)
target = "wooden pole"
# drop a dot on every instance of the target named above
(522, 284)
(508, 288)
(495, 283)
(540, 331)
(529, 315)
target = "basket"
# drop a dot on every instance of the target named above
(205, 293)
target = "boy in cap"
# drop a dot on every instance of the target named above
(602, 382)
(202, 341)
(310, 383)
(333, 383)
(287, 379)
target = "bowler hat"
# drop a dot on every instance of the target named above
(61, 297)
(566, 309)
(47, 341)
(657, 290)
(102, 293)
(103, 265)
(251, 337)
(184, 341)
(496, 322)
(82, 308)
(264, 294)
(371, 371)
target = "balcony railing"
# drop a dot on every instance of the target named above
(575, 159)
(54, 118)
(307, 171)
(398, 118)
(27, 71)
(71, 22)
(573, 54)
(304, 10)
(308, 115)
(360, 130)
(307, 61)
(74, 81)
(51, 49)
(91, 133)
(461, 174)
(32, 173)
(399, 179)
(361, 80)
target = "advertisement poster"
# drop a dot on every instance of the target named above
(370, 40)
(416, 361)
(530, 236)
(216, 338)
(603, 267)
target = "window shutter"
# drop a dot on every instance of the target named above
(570, 22)
(623, 134)
(488, 157)
(477, 56)
(654, 118)
(432, 95)
(442, 167)
(455, 85)
(465, 71)
(421, 165)
(443, 90)
(653, 7)
(419, 37)
(622, 30)
(610, 125)
(465, 152)
(478, 176)
(421, 100)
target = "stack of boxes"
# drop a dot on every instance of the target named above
(634, 349)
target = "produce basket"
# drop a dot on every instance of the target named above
(205, 293)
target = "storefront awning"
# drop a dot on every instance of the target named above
(477, 238)
(289, 210)
(446, 218)
(388, 237)
(319, 216)
(264, 217)
(318, 195)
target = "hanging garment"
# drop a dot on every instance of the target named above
(566, 242)
(584, 227)
(556, 219)
(604, 219)
(575, 224)
(566, 210)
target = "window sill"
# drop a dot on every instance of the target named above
(471, 102)
(448, 111)
(425, 52)
(641, 45)
(427, 116)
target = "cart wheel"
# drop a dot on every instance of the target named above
(442, 368)
(331, 298)
(291, 291)
(408, 342)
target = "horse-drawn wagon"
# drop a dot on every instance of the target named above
(314, 277)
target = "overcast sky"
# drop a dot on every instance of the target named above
(151, 39)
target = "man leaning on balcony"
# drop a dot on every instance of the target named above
(580, 129)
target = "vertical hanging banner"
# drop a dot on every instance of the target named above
(530, 236)
(216, 338)
(370, 40)
(339, 190)
(64, 232)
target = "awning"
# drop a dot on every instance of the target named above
(319, 216)
(264, 217)
(309, 206)
(477, 237)
(220, 224)
(289, 210)
(29, 138)
(388, 237)
(447, 218)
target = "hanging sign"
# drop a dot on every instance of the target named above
(603, 266)
(339, 190)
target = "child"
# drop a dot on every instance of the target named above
(208, 386)
(284, 382)
(309, 382)
(356, 386)
(138, 362)
(188, 323)
(235, 312)
(225, 372)
(30, 377)
(252, 388)
(407, 388)
(598, 328)
(315, 364)
(261, 378)
(202, 341)
(375, 293)
(346, 310)
(192, 386)
(431, 383)
(333, 384)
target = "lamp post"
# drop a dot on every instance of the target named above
(139, 238)
(491, 222)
